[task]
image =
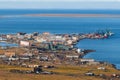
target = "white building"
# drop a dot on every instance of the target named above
(87, 60)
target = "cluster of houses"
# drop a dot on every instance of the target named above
(47, 47)
(29, 39)
(33, 60)
(50, 41)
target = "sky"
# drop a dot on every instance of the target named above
(59, 4)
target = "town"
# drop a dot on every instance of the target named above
(46, 50)
(46, 47)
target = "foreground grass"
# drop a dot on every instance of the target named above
(63, 72)
(12, 76)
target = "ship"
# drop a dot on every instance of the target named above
(105, 33)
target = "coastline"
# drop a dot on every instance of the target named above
(73, 51)
(58, 61)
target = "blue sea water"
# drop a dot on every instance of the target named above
(5, 44)
(106, 49)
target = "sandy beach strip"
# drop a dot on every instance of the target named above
(62, 15)
(72, 15)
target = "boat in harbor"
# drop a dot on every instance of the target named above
(105, 33)
(109, 32)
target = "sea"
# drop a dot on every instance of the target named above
(106, 49)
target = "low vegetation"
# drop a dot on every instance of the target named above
(60, 72)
